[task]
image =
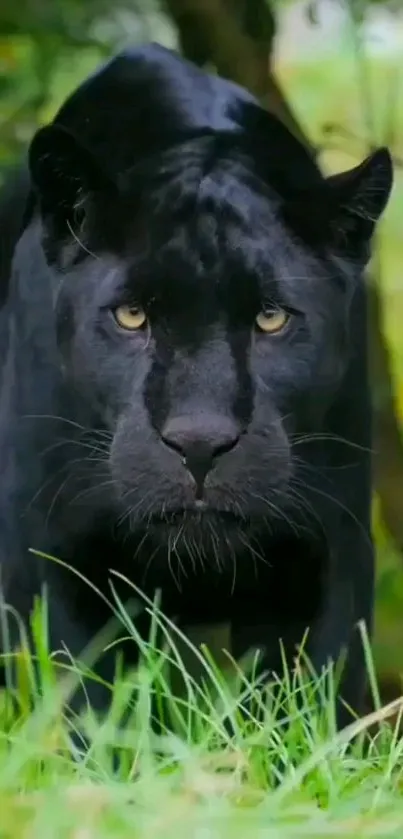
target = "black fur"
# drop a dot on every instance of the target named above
(13, 200)
(161, 186)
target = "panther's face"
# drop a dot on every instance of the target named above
(204, 335)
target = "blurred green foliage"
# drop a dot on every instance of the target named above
(48, 46)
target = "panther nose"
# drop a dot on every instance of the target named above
(200, 441)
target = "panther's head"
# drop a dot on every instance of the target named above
(202, 301)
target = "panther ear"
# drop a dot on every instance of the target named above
(63, 173)
(358, 198)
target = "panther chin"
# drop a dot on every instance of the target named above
(199, 515)
(201, 529)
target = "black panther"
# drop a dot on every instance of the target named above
(184, 385)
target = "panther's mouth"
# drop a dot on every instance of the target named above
(200, 512)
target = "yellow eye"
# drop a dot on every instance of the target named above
(272, 320)
(130, 317)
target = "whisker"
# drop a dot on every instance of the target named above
(90, 490)
(215, 545)
(277, 511)
(57, 418)
(99, 446)
(148, 565)
(55, 497)
(175, 579)
(338, 504)
(80, 243)
(298, 439)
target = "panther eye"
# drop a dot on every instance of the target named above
(130, 317)
(272, 320)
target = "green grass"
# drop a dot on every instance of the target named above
(196, 779)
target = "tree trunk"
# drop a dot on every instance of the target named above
(237, 37)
